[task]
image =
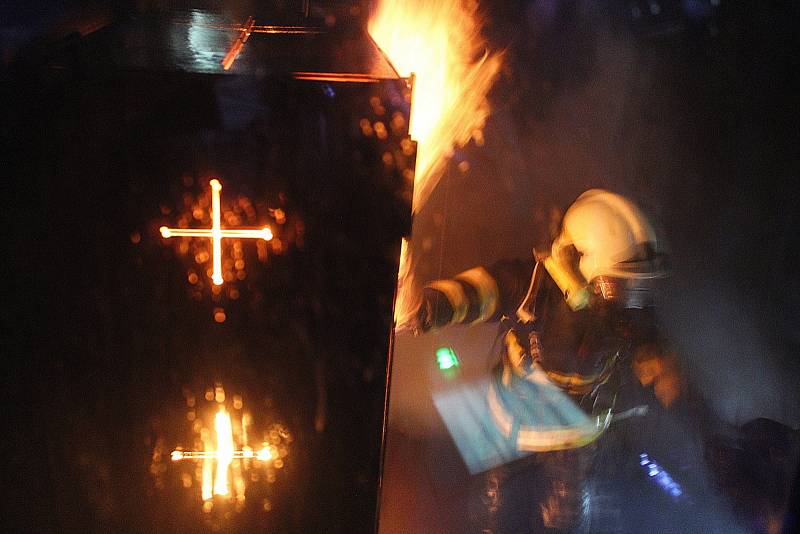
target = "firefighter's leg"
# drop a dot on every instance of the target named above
(563, 478)
(501, 499)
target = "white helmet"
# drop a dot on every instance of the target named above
(613, 240)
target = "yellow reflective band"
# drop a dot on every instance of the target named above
(572, 379)
(515, 353)
(546, 438)
(577, 383)
(455, 296)
(485, 285)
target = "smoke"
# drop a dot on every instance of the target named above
(587, 105)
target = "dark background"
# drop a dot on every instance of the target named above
(106, 133)
(692, 112)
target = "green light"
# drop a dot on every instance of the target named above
(446, 358)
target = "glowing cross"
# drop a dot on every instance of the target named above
(223, 456)
(262, 454)
(216, 233)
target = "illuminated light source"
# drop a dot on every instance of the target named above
(250, 27)
(216, 233)
(226, 453)
(222, 424)
(215, 481)
(264, 454)
(218, 458)
(660, 476)
(446, 358)
(236, 47)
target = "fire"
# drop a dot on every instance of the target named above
(440, 43)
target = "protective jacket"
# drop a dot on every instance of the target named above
(546, 345)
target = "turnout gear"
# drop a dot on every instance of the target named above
(570, 317)
(573, 313)
(614, 246)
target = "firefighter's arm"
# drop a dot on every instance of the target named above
(657, 367)
(477, 295)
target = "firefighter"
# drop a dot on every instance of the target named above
(571, 317)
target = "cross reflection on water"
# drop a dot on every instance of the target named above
(228, 450)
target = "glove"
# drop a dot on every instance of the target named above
(659, 369)
(434, 311)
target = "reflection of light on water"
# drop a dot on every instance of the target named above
(226, 460)
(206, 45)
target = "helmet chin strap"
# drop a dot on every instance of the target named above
(572, 285)
(614, 239)
(575, 289)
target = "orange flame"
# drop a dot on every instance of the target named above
(440, 43)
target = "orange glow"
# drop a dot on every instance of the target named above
(222, 424)
(264, 454)
(226, 455)
(408, 294)
(216, 233)
(236, 47)
(208, 468)
(439, 44)
(332, 77)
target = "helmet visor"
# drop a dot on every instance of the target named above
(626, 293)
